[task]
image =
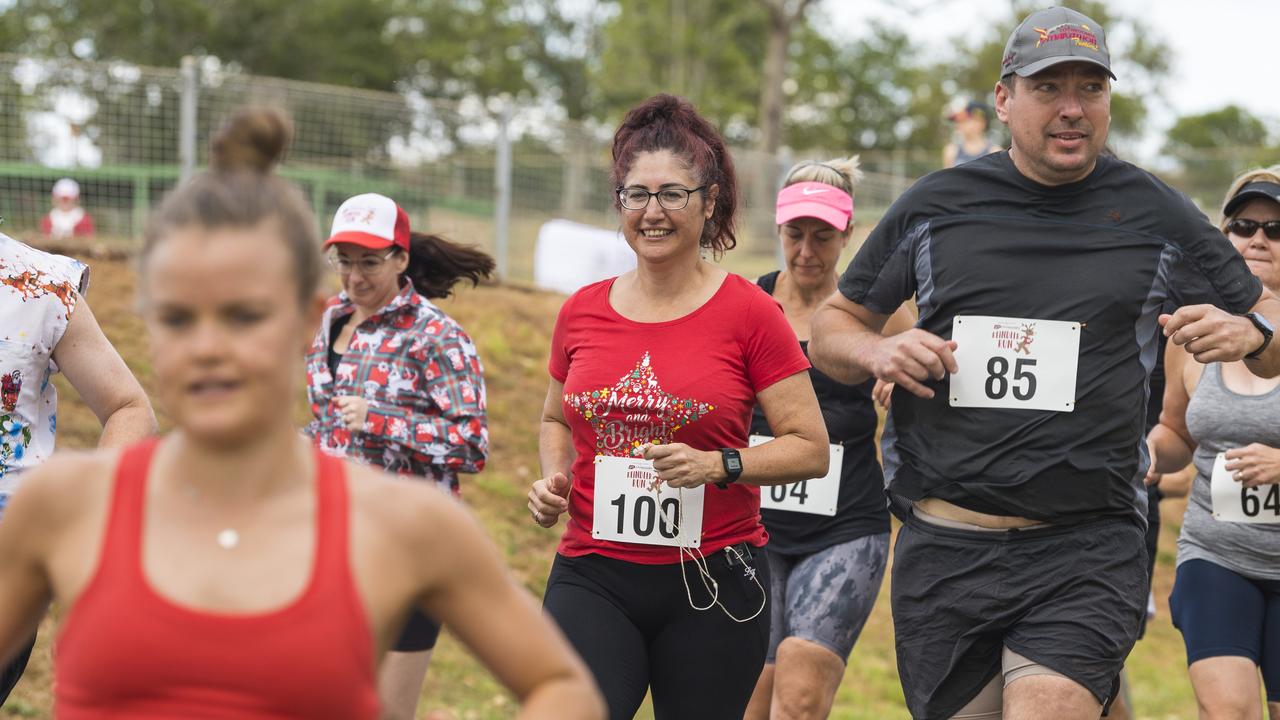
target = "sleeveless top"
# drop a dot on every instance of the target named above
(1220, 419)
(126, 651)
(963, 156)
(861, 507)
(37, 295)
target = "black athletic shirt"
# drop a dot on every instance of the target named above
(851, 421)
(1107, 252)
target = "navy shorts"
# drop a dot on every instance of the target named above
(1222, 613)
(1070, 598)
(825, 597)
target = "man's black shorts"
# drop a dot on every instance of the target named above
(1069, 598)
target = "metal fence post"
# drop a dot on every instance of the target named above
(502, 184)
(187, 119)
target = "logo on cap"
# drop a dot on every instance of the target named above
(1082, 37)
(363, 216)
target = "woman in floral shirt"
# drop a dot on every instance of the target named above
(394, 382)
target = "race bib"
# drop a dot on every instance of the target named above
(1015, 363)
(631, 506)
(1233, 502)
(817, 496)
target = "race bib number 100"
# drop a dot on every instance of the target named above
(631, 507)
(1015, 363)
(1233, 502)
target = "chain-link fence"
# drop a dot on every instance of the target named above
(485, 172)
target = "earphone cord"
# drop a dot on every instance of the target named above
(699, 560)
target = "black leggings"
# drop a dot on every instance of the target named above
(634, 627)
(10, 674)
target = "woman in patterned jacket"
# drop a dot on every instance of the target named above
(394, 382)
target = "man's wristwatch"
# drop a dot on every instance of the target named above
(1265, 328)
(732, 460)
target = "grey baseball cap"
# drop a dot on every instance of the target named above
(1051, 36)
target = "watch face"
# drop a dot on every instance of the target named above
(734, 464)
(1261, 321)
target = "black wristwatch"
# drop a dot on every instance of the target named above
(1265, 328)
(732, 460)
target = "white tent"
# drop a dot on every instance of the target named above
(570, 255)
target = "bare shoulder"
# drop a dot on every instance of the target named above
(65, 486)
(412, 510)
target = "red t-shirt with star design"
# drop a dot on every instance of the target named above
(691, 380)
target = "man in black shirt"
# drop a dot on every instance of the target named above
(1014, 448)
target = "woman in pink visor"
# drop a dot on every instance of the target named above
(829, 536)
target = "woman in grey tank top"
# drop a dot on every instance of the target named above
(1225, 420)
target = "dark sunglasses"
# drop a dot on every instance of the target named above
(1246, 228)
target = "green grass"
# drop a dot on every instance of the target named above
(512, 328)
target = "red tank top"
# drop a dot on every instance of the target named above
(125, 651)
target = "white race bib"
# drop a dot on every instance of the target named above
(818, 496)
(630, 506)
(1015, 363)
(1233, 502)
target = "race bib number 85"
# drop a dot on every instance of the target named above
(631, 507)
(1233, 502)
(1015, 363)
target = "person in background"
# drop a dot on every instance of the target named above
(46, 326)
(67, 219)
(827, 547)
(972, 139)
(1226, 421)
(395, 383)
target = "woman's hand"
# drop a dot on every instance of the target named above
(680, 466)
(549, 499)
(882, 393)
(1254, 464)
(353, 410)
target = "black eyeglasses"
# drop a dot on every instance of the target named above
(1241, 227)
(669, 198)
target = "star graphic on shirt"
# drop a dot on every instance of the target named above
(634, 411)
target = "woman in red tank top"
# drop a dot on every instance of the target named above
(229, 570)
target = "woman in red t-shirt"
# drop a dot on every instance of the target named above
(644, 437)
(230, 569)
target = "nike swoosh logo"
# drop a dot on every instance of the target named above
(813, 191)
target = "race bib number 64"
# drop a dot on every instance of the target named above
(1015, 363)
(1233, 502)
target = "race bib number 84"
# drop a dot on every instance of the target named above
(1015, 363)
(630, 506)
(1233, 502)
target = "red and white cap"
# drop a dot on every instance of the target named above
(826, 202)
(370, 220)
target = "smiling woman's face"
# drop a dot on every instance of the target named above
(655, 233)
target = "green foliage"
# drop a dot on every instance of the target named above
(1214, 147)
(654, 46)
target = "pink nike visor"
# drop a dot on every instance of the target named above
(826, 202)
